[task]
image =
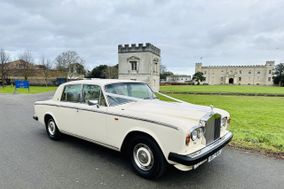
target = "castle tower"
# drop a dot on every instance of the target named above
(270, 65)
(198, 67)
(140, 62)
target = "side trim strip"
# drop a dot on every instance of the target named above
(120, 115)
(90, 140)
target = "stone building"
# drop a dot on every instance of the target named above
(36, 74)
(140, 62)
(239, 75)
(178, 78)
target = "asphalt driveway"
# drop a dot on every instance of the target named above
(29, 159)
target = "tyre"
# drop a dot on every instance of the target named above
(52, 129)
(146, 157)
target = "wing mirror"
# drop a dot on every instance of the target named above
(93, 103)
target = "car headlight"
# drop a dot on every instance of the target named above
(194, 135)
(224, 122)
(199, 132)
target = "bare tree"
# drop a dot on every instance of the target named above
(4, 58)
(27, 63)
(76, 69)
(47, 65)
(66, 62)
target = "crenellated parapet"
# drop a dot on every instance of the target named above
(268, 63)
(148, 47)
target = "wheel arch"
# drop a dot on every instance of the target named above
(135, 132)
(48, 115)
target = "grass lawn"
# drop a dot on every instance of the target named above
(257, 122)
(33, 90)
(224, 89)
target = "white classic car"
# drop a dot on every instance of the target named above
(126, 116)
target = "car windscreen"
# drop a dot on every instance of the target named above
(127, 92)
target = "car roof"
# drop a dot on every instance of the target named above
(101, 82)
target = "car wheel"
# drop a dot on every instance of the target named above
(146, 157)
(52, 130)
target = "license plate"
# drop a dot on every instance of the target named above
(197, 165)
(213, 156)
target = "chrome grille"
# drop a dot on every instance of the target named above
(213, 128)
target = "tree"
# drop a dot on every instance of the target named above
(27, 63)
(198, 77)
(104, 71)
(112, 72)
(98, 72)
(278, 78)
(4, 58)
(76, 69)
(164, 72)
(163, 68)
(47, 65)
(68, 61)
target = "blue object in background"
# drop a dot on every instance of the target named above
(59, 81)
(22, 84)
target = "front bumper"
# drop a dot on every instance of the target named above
(203, 154)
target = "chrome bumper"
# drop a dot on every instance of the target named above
(203, 154)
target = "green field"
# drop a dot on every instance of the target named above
(33, 90)
(257, 122)
(224, 89)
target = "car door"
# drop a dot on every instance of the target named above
(91, 117)
(67, 112)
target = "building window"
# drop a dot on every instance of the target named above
(258, 72)
(269, 78)
(204, 72)
(249, 72)
(240, 79)
(240, 71)
(270, 71)
(222, 78)
(155, 69)
(204, 78)
(133, 65)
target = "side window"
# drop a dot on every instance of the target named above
(93, 92)
(71, 93)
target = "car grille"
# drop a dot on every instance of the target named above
(213, 128)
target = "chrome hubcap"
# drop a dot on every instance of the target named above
(51, 127)
(143, 157)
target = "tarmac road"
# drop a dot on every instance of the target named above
(29, 159)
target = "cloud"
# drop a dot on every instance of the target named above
(221, 31)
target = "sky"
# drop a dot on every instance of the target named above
(214, 32)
